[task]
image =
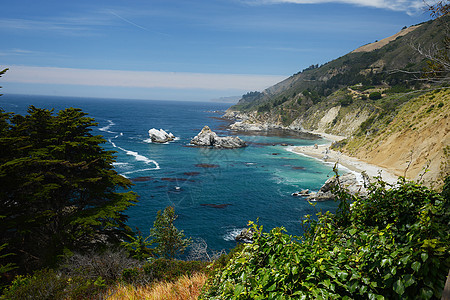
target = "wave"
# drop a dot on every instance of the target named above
(231, 234)
(142, 158)
(112, 143)
(107, 127)
(149, 141)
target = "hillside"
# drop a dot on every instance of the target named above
(365, 96)
(418, 137)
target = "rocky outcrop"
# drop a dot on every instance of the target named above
(160, 136)
(348, 181)
(302, 193)
(245, 126)
(208, 138)
(246, 235)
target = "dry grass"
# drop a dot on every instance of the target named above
(185, 288)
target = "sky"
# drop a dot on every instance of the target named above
(182, 49)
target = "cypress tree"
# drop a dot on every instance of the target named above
(58, 189)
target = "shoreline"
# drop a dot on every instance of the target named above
(324, 154)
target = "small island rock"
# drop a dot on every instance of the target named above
(246, 235)
(207, 137)
(160, 136)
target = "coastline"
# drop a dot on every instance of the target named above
(326, 155)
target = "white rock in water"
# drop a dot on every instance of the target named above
(207, 137)
(160, 136)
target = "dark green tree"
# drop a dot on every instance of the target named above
(375, 96)
(2, 72)
(170, 241)
(58, 188)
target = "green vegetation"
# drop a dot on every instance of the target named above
(346, 101)
(58, 189)
(2, 72)
(395, 68)
(375, 96)
(394, 244)
(62, 205)
(90, 276)
(170, 241)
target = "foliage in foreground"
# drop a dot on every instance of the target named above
(392, 245)
(170, 242)
(112, 273)
(184, 288)
(58, 188)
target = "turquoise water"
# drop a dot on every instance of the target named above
(215, 192)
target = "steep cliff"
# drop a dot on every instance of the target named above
(365, 96)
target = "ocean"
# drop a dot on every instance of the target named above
(215, 192)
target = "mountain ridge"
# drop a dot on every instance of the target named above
(356, 95)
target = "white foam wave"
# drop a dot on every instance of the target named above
(120, 164)
(231, 234)
(112, 143)
(107, 127)
(142, 158)
(149, 141)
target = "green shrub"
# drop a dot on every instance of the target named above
(48, 284)
(162, 269)
(339, 144)
(346, 101)
(375, 96)
(394, 244)
(398, 89)
(134, 276)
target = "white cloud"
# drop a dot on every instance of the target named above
(409, 6)
(139, 79)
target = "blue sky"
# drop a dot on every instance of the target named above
(182, 50)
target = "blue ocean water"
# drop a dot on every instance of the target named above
(215, 192)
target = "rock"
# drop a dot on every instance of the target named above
(246, 126)
(246, 235)
(347, 180)
(321, 196)
(160, 136)
(208, 138)
(302, 193)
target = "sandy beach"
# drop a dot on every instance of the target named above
(325, 154)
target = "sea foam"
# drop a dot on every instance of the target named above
(232, 234)
(107, 127)
(142, 158)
